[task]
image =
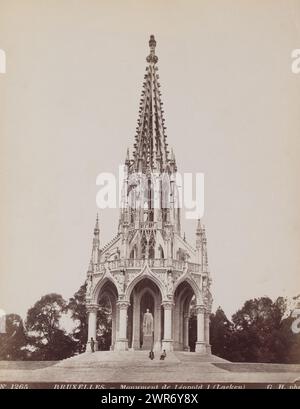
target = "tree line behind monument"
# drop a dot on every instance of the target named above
(258, 332)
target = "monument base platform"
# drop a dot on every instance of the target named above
(167, 345)
(201, 348)
(121, 345)
(147, 343)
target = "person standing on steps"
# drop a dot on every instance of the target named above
(151, 355)
(92, 345)
(163, 355)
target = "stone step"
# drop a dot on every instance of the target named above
(196, 357)
(92, 359)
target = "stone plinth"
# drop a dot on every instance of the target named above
(147, 342)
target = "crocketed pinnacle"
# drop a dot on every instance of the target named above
(151, 149)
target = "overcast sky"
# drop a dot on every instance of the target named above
(68, 111)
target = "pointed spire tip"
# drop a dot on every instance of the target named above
(96, 229)
(152, 58)
(152, 41)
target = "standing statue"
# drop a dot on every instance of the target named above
(89, 286)
(170, 283)
(148, 323)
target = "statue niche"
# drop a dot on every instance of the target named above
(147, 330)
(148, 323)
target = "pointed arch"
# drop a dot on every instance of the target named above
(99, 286)
(187, 278)
(161, 252)
(133, 252)
(149, 275)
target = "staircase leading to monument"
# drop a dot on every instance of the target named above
(137, 358)
(195, 357)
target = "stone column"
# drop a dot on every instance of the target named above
(92, 324)
(122, 341)
(200, 344)
(181, 332)
(176, 325)
(167, 342)
(206, 325)
(186, 322)
(157, 327)
(136, 322)
(113, 327)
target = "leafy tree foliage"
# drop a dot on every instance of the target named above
(43, 325)
(104, 326)
(13, 340)
(221, 331)
(259, 332)
(77, 307)
(78, 311)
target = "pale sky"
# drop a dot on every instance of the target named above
(68, 111)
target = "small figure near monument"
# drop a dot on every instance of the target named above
(148, 323)
(151, 355)
(92, 345)
(163, 355)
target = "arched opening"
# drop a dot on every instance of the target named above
(148, 247)
(184, 332)
(145, 296)
(106, 317)
(152, 248)
(144, 247)
(161, 252)
(133, 253)
(180, 254)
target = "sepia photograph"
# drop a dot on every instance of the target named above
(149, 170)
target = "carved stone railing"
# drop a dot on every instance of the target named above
(145, 225)
(134, 263)
(194, 268)
(157, 262)
(178, 264)
(153, 263)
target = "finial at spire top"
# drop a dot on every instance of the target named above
(152, 58)
(96, 229)
(152, 42)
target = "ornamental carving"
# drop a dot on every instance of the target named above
(92, 307)
(123, 305)
(120, 280)
(200, 309)
(168, 305)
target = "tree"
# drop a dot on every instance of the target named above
(77, 307)
(259, 332)
(104, 325)
(13, 340)
(221, 334)
(43, 325)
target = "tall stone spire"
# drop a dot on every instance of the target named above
(150, 148)
(94, 261)
(201, 246)
(198, 234)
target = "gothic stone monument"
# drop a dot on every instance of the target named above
(149, 272)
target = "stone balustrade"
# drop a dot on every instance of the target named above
(177, 265)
